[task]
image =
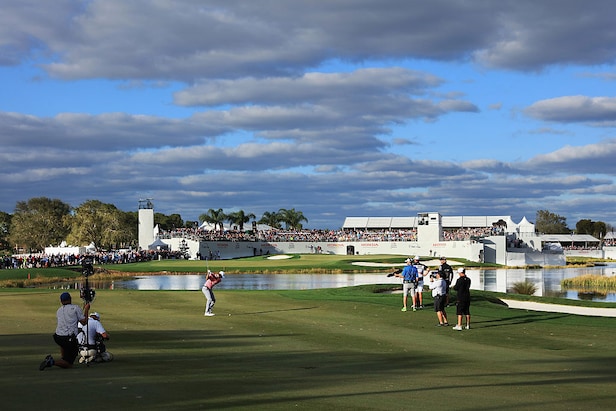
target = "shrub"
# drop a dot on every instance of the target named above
(524, 287)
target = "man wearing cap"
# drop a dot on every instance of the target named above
(68, 316)
(447, 275)
(409, 281)
(438, 285)
(210, 281)
(96, 333)
(422, 271)
(463, 308)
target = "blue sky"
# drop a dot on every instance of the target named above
(339, 108)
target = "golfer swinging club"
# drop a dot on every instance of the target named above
(211, 280)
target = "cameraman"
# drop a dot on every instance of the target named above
(409, 283)
(68, 316)
(446, 273)
(438, 287)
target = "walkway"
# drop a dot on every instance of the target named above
(555, 308)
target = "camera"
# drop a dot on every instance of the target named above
(87, 269)
(87, 266)
(87, 295)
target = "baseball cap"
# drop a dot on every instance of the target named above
(408, 260)
(95, 315)
(443, 258)
(65, 297)
(222, 273)
(460, 270)
(416, 257)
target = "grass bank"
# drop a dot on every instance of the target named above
(343, 349)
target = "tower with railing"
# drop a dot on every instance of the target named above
(146, 223)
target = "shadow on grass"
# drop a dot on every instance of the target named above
(277, 311)
(216, 369)
(518, 319)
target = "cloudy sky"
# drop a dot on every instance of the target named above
(335, 108)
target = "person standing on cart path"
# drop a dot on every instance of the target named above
(463, 306)
(409, 282)
(210, 281)
(422, 272)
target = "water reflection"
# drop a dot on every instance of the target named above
(547, 281)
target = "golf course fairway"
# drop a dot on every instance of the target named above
(329, 349)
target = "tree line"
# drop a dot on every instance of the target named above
(41, 222)
(551, 223)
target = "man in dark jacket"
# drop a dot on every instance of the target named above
(463, 287)
(446, 273)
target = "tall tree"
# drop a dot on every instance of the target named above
(292, 219)
(5, 229)
(101, 224)
(551, 223)
(239, 218)
(271, 218)
(40, 222)
(214, 217)
(168, 222)
(597, 229)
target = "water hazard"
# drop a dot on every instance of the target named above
(547, 281)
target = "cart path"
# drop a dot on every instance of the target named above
(555, 308)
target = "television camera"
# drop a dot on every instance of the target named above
(87, 269)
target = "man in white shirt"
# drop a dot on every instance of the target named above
(96, 334)
(439, 293)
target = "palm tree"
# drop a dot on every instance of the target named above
(215, 217)
(292, 219)
(239, 218)
(270, 218)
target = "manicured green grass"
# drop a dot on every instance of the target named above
(343, 349)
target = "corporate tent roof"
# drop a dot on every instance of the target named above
(158, 244)
(385, 223)
(569, 238)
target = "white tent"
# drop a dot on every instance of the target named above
(526, 227)
(158, 244)
(205, 226)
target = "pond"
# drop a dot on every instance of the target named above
(547, 281)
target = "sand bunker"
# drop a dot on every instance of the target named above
(279, 257)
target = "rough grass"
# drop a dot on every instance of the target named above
(343, 349)
(590, 282)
